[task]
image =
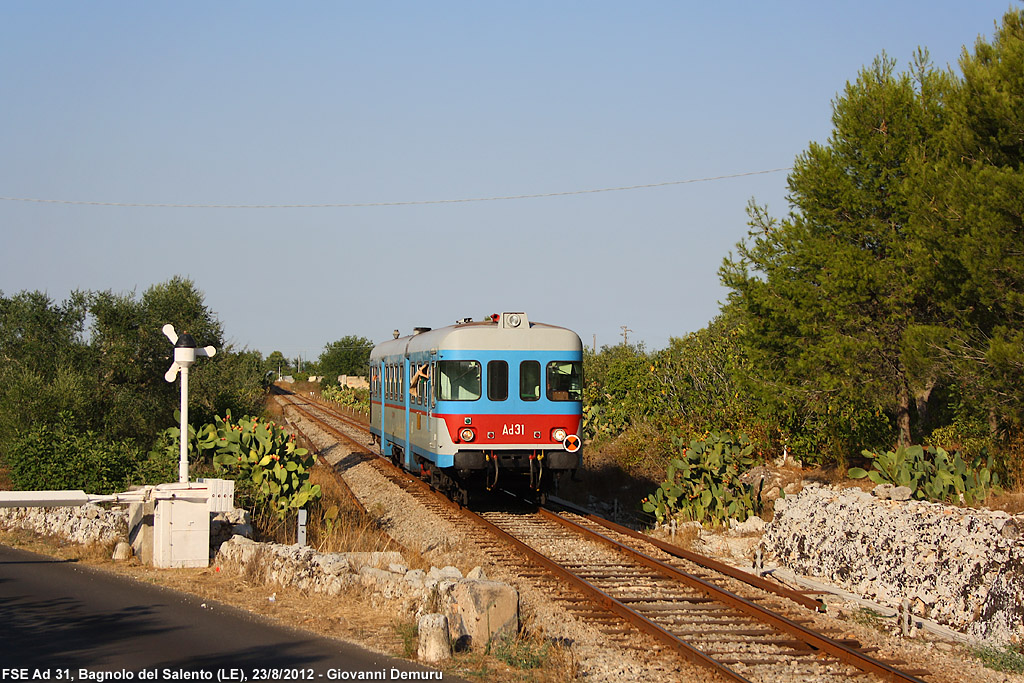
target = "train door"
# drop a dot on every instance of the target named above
(376, 397)
(393, 422)
(407, 413)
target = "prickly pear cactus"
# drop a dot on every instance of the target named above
(703, 484)
(932, 474)
(265, 454)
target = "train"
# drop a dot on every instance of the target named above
(481, 404)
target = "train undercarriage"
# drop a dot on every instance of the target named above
(532, 475)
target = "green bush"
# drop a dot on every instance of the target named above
(60, 456)
(932, 474)
(346, 396)
(161, 466)
(703, 484)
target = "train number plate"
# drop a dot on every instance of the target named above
(513, 429)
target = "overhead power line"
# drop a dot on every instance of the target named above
(568, 193)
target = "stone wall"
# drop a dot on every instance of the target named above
(477, 609)
(962, 567)
(86, 524)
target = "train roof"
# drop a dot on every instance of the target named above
(507, 331)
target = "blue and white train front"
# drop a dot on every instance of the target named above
(479, 404)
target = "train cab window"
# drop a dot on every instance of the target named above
(497, 380)
(565, 380)
(458, 380)
(529, 380)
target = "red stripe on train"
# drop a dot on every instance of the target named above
(511, 429)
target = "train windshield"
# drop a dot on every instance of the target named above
(458, 380)
(565, 380)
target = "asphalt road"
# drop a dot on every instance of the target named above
(63, 621)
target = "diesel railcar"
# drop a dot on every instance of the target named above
(480, 404)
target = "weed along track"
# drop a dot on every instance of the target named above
(647, 597)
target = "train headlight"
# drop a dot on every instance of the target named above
(467, 435)
(558, 434)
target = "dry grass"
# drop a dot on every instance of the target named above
(1008, 501)
(57, 547)
(335, 524)
(686, 536)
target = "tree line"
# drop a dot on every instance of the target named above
(349, 355)
(83, 399)
(887, 306)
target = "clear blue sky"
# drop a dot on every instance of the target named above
(338, 102)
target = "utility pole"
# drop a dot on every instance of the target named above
(595, 344)
(625, 335)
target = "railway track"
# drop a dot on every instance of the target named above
(643, 593)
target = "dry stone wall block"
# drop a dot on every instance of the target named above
(479, 611)
(434, 644)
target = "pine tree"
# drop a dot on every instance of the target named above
(972, 218)
(831, 292)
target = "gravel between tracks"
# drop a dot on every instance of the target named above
(599, 659)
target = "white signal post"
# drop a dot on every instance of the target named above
(185, 354)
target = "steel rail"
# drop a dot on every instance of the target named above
(701, 560)
(815, 640)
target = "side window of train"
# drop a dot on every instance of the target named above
(497, 380)
(419, 383)
(565, 380)
(529, 380)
